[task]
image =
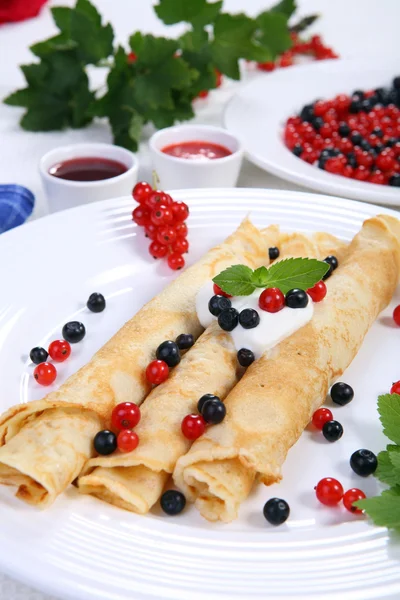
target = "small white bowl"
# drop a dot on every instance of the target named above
(63, 193)
(176, 173)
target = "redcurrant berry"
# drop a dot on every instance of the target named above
(181, 229)
(141, 192)
(329, 491)
(395, 389)
(157, 371)
(193, 426)
(176, 261)
(127, 440)
(180, 246)
(180, 211)
(352, 496)
(396, 315)
(272, 300)
(151, 231)
(157, 198)
(320, 417)
(157, 250)
(125, 415)
(60, 350)
(266, 66)
(141, 215)
(318, 292)
(219, 292)
(161, 215)
(45, 373)
(166, 235)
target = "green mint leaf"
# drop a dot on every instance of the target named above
(196, 12)
(273, 32)
(386, 471)
(235, 37)
(384, 510)
(236, 280)
(389, 411)
(286, 7)
(292, 273)
(260, 276)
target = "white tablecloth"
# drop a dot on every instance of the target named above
(356, 28)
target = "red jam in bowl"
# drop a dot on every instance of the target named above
(90, 168)
(197, 149)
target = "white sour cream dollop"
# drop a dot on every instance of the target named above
(272, 329)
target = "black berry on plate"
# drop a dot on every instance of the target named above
(105, 442)
(317, 123)
(332, 260)
(296, 298)
(396, 83)
(169, 352)
(228, 319)
(73, 332)
(185, 341)
(276, 511)
(329, 272)
(249, 318)
(205, 398)
(356, 138)
(38, 355)
(217, 304)
(297, 150)
(307, 113)
(363, 462)
(96, 302)
(342, 393)
(273, 253)
(172, 502)
(245, 357)
(344, 129)
(213, 411)
(332, 431)
(394, 180)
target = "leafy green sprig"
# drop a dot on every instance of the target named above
(158, 85)
(303, 273)
(385, 509)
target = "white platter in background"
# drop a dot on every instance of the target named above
(258, 112)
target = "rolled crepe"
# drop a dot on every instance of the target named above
(270, 407)
(44, 444)
(135, 480)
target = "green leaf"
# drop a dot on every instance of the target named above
(158, 72)
(58, 42)
(194, 40)
(236, 280)
(274, 33)
(389, 411)
(235, 38)
(20, 97)
(82, 25)
(384, 509)
(286, 7)
(62, 18)
(386, 471)
(394, 457)
(196, 12)
(292, 273)
(259, 276)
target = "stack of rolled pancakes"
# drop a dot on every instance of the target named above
(46, 445)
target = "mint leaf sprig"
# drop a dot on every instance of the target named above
(303, 273)
(384, 510)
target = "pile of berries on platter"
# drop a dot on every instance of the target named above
(163, 221)
(355, 136)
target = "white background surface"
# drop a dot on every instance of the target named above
(358, 28)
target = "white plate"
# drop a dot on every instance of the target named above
(83, 549)
(258, 112)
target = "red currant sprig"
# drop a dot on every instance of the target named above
(163, 221)
(314, 48)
